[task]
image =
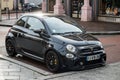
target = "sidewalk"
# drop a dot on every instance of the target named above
(7, 23)
(12, 71)
(97, 27)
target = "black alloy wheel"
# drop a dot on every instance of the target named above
(52, 61)
(10, 48)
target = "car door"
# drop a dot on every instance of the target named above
(19, 30)
(33, 44)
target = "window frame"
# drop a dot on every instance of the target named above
(35, 18)
(20, 19)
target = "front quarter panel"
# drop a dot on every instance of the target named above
(11, 34)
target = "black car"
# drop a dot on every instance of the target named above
(56, 40)
(30, 6)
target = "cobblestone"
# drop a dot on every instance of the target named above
(3, 67)
(11, 71)
(9, 77)
(5, 63)
(4, 73)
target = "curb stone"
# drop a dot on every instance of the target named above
(6, 25)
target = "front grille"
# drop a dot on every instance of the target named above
(89, 49)
(97, 48)
(85, 50)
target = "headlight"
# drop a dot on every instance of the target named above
(71, 48)
(100, 44)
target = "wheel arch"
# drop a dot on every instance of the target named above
(10, 35)
(13, 40)
(10, 40)
(50, 50)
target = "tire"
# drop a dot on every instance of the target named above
(52, 61)
(10, 48)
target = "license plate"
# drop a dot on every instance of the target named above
(93, 57)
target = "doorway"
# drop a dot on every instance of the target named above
(51, 4)
(76, 8)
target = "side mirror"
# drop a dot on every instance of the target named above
(37, 31)
(42, 33)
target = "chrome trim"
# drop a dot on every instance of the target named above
(33, 55)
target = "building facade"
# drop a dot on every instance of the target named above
(7, 4)
(102, 10)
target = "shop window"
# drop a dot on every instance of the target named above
(110, 7)
(76, 7)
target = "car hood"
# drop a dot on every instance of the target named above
(76, 39)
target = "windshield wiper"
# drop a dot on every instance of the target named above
(67, 33)
(56, 33)
(72, 33)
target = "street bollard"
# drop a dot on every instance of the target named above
(7, 12)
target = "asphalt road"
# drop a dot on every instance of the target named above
(112, 47)
(111, 44)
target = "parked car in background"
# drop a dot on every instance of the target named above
(56, 40)
(30, 7)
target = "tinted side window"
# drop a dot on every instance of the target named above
(21, 22)
(34, 24)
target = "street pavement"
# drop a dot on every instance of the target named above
(112, 47)
(11, 69)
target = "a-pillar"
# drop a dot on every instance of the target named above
(58, 8)
(86, 11)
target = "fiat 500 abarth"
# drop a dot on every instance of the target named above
(58, 41)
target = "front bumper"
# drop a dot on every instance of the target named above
(80, 62)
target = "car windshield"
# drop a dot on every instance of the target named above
(62, 25)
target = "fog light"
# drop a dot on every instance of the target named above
(69, 55)
(81, 63)
(103, 60)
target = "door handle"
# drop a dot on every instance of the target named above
(20, 35)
